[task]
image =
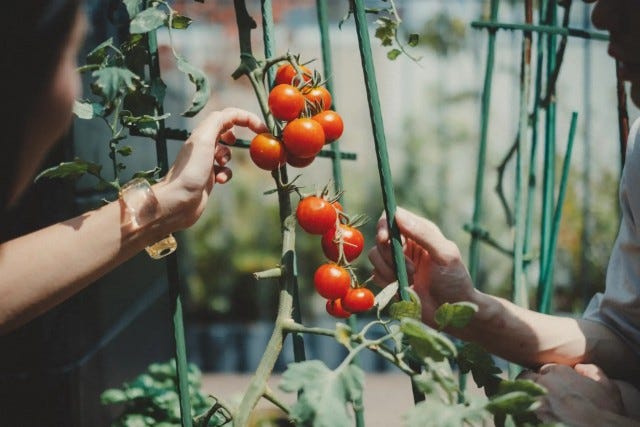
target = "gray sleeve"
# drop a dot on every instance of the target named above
(619, 306)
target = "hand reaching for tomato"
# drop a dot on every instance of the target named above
(434, 264)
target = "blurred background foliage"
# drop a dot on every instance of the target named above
(431, 111)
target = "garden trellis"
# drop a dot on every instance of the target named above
(537, 95)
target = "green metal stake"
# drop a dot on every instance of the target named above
(172, 261)
(474, 247)
(321, 7)
(382, 155)
(548, 183)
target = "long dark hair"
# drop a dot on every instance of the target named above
(32, 35)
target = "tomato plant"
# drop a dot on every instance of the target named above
(303, 137)
(349, 238)
(286, 74)
(286, 102)
(358, 300)
(316, 215)
(332, 281)
(331, 123)
(334, 308)
(267, 152)
(319, 97)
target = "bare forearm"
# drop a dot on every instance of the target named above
(42, 269)
(532, 339)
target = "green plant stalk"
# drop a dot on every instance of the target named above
(543, 29)
(548, 182)
(336, 164)
(474, 247)
(172, 263)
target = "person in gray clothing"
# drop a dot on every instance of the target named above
(588, 365)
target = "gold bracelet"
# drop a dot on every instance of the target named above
(141, 208)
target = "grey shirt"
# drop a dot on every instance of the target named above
(619, 306)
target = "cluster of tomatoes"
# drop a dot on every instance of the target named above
(341, 244)
(301, 105)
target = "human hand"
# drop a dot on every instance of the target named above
(579, 396)
(200, 164)
(434, 264)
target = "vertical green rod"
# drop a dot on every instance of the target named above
(474, 247)
(557, 215)
(548, 183)
(269, 49)
(380, 144)
(534, 139)
(173, 275)
(382, 156)
(519, 283)
(327, 64)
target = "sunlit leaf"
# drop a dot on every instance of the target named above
(199, 79)
(393, 54)
(515, 402)
(457, 314)
(87, 110)
(148, 20)
(324, 393)
(180, 22)
(113, 81)
(433, 413)
(384, 297)
(133, 7)
(71, 170)
(426, 342)
(99, 54)
(343, 334)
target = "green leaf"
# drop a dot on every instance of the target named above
(393, 54)
(473, 358)
(434, 413)
(100, 53)
(113, 396)
(180, 22)
(385, 296)
(527, 386)
(324, 393)
(457, 314)
(343, 334)
(413, 40)
(87, 110)
(71, 170)
(133, 7)
(426, 342)
(113, 81)
(149, 175)
(199, 79)
(515, 402)
(125, 150)
(137, 420)
(401, 309)
(148, 20)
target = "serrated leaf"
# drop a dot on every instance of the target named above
(323, 394)
(457, 314)
(148, 20)
(473, 358)
(515, 402)
(393, 54)
(343, 334)
(180, 22)
(426, 342)
(384, 297)
(434, 413)
(71, 170)
(150, 175)
(125, 150)
(87, 110)
(199, 79)
(402, 309)
(99, 54)
(113, 81)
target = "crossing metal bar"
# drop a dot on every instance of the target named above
(546, 29)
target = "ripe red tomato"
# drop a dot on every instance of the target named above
(267, 152)
(331, 123)
(286, 102)
(334, 308)
(318, 96)
(332, 281)
(286, 73)
(358, 300)
(303, 137)
(352, 242)
(316, 215)
(299, 162)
